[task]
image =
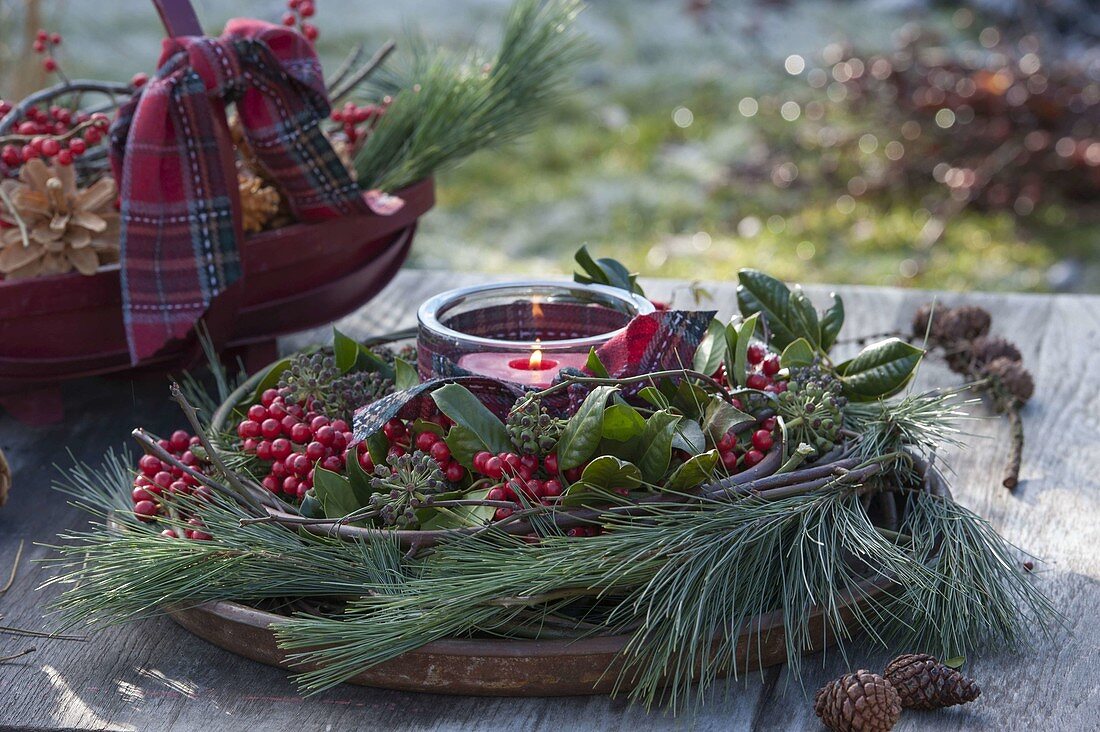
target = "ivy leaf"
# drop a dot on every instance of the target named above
(582, 432)
(831, 322)
(465, 409)
(270, 378)
(595, 365)
(804, 320)
(880, 369)
(654, 396)
(657, 444)
(460, 516)
(605, 271)
(464, 444)
(359, 479)
(712, 349)
(351, 355)
(622, 423)
(720, 417)
(760, 293)
(741, 355)
(608, 472)
(799, 353)
(335, 493)
(405, 375)
(689, 437)
(692, 473)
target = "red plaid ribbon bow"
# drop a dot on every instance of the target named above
(179, 249)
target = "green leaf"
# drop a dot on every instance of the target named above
(712, 349)
(880, 369)
(583, 430)
(804, 320)
(654, 396)
(351, 355)
(692, 473)
(464, 444)
(270, 378)
(732, 377)
(799, 353)
(720, 417)
(359, 479)
(405, 375)
(423, 425)
(335, 493)
(608, 472)
(622, 423)
(604, 271)
(657, 445)
(591, 269)
(955, 662)
(760, 293)
(311, 507)
(460, 516)
(689, 437)
(595, 365)
(741, 356)
(459, 403)
(831, 322)
(378, 445)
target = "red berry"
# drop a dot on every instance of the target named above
(333, 463)
(752, 457)
(770, 367)
(27, 128)
(756, 381)
(250, 444)
(163, 479)
(49, 64)
(550, 463)
(300, 432)
(179, 487)
(92, 135)
(425, 440)
(41, 35)
(140, 494)
(290, 485)
(257, 413)
(768, 424)
(365, 462)
(726, 443)
(318, 422)
(494, 468)
(29, 153)
(64, 157)
(340, 425)
(145, 510)
(395, 451)
(551, 488)
(762, 440)
(10, 156)
(170, 533)
(298, 464)
(179, 440)
(249, 428)
(263, 450)
(150, 465)
(310, 31)
(481, 459)
(576, 531)
(325, 435)
(271, 483)
(340, 441)
(306, 8)
(139, 80)
(315, 451)
(50, 147)
(495, 494)
(455, 472)
(394, 430)
(289, 19)
(39, 47)
(55, 39)
(268, 397)
(755, 353)
(271, 428)
(280, 448)
(279, 469)
(574, 474)
(729, 459)
(502, 513)
(440, 452)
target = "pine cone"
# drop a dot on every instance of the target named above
(922, 682)
(963, 324)
(858, 702)
(988, 348)
(259, 203)
(1012, 377)
(921, 317)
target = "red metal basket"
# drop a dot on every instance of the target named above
(296, 277)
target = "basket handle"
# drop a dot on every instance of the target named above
(179, 19)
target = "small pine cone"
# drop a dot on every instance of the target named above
(922, 682)
(924, 313)
(858, 702)
(1012, 377)
(963, 324)
(988, 348)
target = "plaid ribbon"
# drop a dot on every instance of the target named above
(179, 245)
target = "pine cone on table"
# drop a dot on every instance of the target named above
(922, 682)
(1012, 377)
(858, 702)
(987, 348)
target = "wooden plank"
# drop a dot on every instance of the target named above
(153, 675)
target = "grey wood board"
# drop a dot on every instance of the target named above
(154, 675)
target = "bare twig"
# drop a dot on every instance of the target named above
(14, 568)
(8, 630)
(14, 656)
(364, 71)
(1016, 448)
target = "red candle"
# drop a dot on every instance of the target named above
(534, 370)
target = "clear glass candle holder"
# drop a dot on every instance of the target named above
(524, 332)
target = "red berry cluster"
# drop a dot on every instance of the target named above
(44, 45)
(518, 476)
(351, 115)
(402, 441)
(297, 13)
(295, 439)
(763, 368)
(738, 455)
(49, 132)
(156, 478)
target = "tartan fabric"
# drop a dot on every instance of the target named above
(178, 241)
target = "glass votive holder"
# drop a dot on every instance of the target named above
(523, 332)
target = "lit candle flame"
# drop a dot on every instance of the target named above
(536, 309)
(535, 362)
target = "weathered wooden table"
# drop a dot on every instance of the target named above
(155, 676)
